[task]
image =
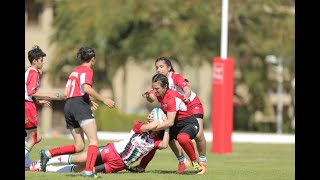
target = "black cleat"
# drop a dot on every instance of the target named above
(136, 169)
(43, 160)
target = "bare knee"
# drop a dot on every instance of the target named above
(79, 147)
(200, 137)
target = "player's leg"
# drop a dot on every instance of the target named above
(78, 137)
(201, 146)
(27, 160)
(33, 138)
(186, 134)
(143, 163)
(178, 151)
(90, 129)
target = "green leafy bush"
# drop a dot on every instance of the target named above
(113, 120)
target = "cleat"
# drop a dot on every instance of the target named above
(43, 160)
(204, 166)
(136, 169)
(90, 174)
(182, 167)
(196, 166)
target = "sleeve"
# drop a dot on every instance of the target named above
(171, 105)
(32, 85)
(180, 81)
(157, 141)
(86, 78)
(136, 127)
(153, 92)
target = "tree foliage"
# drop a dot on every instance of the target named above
(187, 31)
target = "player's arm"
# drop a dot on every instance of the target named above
(165, 140)
(41, 95)
(88, 89)
(187, 93)
(168, 122)
(150, 96)
(150, 126)
(184, 85)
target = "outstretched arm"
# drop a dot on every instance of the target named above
(165, 140)
(149, 96)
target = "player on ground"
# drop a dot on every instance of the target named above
(116, 156)
(78, 112)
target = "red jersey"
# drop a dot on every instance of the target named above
(173, 101)
(177, 82)
(31, 79)
(80, 75)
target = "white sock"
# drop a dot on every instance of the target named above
(63, 159)
(182, 159)
(27, 160)
(61, 169)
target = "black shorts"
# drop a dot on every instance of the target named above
(198, 116)
(187, 125)
(77, 109)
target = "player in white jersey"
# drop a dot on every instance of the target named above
(116, 156)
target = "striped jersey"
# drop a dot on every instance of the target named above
(136, 145)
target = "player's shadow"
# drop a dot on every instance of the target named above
(160, 172)
(170, 172)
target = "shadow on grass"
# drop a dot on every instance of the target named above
(159, 172)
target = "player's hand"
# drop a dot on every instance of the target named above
(149, 118)
(186, 99)
(146, 94)
(110, 103)
(164, 117)
(94, 105)
(44, 103)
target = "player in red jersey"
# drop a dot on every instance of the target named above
(178, 82)
(33, 97)
(78, 112)
(184, 128)
(117, 156)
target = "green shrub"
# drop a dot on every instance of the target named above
(113, 120)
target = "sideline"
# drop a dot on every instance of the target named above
(263, 138)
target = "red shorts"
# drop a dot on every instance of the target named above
(196, 106)
(31, 115)
(111, 159)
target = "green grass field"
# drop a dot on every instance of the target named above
(246, 162)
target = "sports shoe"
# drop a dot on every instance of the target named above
(182, 167)
(43, 160)
(196, 166)
(204, 166)
(136, 169)
(90, 174)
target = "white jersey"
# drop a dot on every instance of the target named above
(136, 145)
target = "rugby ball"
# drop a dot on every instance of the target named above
(156, 114)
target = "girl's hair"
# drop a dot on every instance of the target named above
(85, 54)
(35, 53)
(162, 79)
(166, 61)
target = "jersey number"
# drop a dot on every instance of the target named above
(71, 87)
